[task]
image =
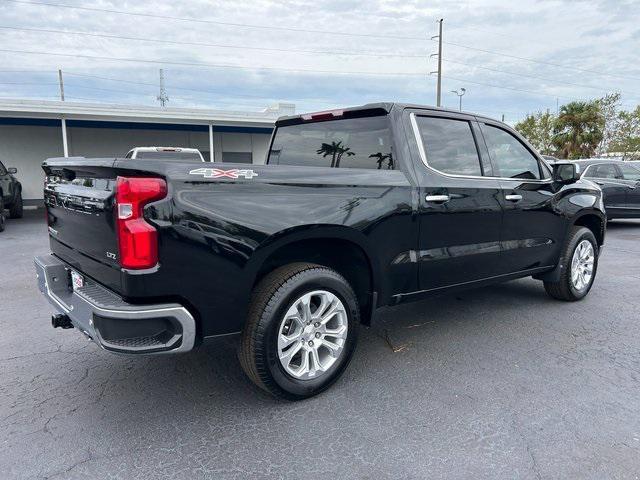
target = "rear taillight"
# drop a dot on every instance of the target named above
(137, 240)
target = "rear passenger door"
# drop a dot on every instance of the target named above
(533, 230)
(459, 211)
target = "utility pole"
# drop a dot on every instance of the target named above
(61, 84)
(163, 98)
(460, 95)
(439, 71)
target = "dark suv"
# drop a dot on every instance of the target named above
(10, 194)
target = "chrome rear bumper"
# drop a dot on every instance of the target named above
(111, 322)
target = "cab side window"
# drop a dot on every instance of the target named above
(449, 145)
(630, 172)
(511, 159)
(604, 170)
(3, 171)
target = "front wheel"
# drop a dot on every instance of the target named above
(301, 331)
(579, 264)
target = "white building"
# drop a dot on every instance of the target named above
(31, 131)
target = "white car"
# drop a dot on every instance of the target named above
(169, 153)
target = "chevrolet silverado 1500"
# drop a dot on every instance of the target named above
(354, 210)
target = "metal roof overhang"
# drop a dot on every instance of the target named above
(92, 115)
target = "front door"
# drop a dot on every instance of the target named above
(459, 211)
(533, 230)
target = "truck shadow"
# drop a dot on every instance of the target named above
(208, 384)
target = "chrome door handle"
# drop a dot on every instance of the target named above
(513, 197)
(437, 198)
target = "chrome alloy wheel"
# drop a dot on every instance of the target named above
(582, 265)
(312, 334)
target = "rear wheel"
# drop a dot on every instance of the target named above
(579, 265)
(16, 210)
(301, 331)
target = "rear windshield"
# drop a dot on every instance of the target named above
(347, 143)
(170, 156)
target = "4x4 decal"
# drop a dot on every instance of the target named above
(219, 173)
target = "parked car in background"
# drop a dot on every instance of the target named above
(166, 153)
(550, 159)
(10, 192)
(620, 184)
(2, 217)
(356, 209)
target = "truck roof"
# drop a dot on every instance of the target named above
(378, 108)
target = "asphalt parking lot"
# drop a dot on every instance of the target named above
(500, 382)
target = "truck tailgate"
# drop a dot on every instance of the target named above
(79, 199)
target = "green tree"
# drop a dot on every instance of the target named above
(578, 130)
(537, 128)
(626, 137)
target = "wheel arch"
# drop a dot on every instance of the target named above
(594, 221)
(342, 249)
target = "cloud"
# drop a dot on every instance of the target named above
(599, 36)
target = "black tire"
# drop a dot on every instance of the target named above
(271, 298)
(564, 288)
(16, 210)
(2, 219)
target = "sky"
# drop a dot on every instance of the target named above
(512, 58)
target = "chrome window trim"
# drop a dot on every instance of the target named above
(423, 157)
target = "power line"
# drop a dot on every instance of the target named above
(119, 37)
(507, 88)
(216, 22)
(301, 30)
(541, 62)
(529, 76)
(211, 65)
(27, 83)
(216, 45)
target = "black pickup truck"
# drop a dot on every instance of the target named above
(356, 209)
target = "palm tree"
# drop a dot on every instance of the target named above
(578, 129)
(336, 150)
(381, 158)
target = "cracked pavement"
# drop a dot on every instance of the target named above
(500, 382)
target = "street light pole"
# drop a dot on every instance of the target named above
(460, 94)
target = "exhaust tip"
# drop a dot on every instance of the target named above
(61, 321)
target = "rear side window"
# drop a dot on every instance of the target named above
(630, 172)
(510, 157)
(347, 143)
(605, 170)
(449, 145)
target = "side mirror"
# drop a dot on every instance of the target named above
(565, 172)
(12, 170)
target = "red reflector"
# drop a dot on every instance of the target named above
(137, 240)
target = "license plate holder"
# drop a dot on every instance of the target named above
(77, 280)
